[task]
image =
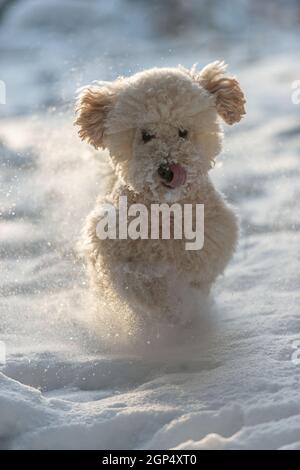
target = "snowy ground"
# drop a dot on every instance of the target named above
(229, 382)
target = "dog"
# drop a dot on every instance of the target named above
(162, 129)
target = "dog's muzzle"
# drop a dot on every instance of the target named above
(173, 175)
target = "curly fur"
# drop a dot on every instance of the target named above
(162, 101)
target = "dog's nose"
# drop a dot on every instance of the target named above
(165, 173)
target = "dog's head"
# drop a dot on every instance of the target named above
(161, 126)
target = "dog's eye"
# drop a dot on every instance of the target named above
(147, 136)
(183, 133)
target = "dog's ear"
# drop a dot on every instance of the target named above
(93, 104)
(229, 97)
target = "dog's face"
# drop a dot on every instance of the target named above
(161, 126)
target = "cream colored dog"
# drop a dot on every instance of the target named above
(161, 127)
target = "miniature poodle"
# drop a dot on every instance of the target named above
(163, 133)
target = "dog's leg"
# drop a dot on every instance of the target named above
(204, 287)
(143, 284)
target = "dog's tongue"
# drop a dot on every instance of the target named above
(179, 175)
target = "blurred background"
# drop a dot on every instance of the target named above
(50, 47)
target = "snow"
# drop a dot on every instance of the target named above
(73, 381)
